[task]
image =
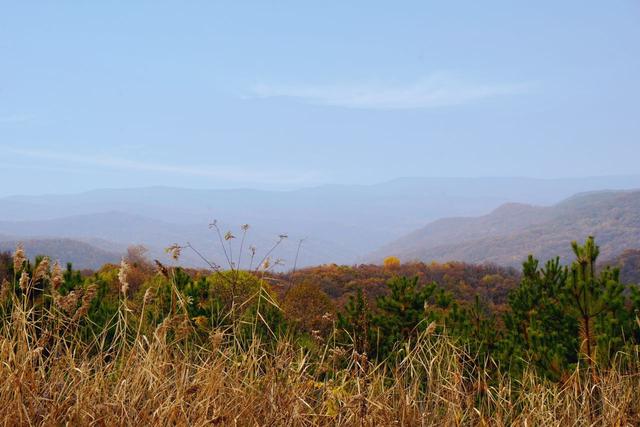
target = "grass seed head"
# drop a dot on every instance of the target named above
(57, 278)
(19, 258)
(89, 295)
(68, 303)
(148, 297)
(123, 273)
(42, 271)
(24, 281)
(174, 251)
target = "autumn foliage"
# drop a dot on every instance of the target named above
(391, 263)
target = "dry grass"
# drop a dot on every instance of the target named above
(164, 376)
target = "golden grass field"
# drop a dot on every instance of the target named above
(160, 376)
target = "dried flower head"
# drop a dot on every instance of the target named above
(228, 236)
(266, 264)
(88, 296)
(431, 328)
(24, 281)
(125, 268)
(244, 227)
(174, 250)
(19, 258)
(68, 303)
(337, 353)
(42, 271)
(57, 278)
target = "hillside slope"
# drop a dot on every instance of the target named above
(508, 234)
(81, 254)
(629, 263)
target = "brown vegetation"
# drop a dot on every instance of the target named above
(53, 377)
(490, 282)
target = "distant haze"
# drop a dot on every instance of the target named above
(338, 223)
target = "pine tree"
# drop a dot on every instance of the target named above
(355, 323)
(404, 312)
(538, 328)
(474, 325)
(594, 299)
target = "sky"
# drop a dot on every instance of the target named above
(278, 95)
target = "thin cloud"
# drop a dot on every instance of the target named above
(228, 173)
(432, 92)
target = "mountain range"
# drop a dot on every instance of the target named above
(78, 253)
(336, 223)
(511, 232)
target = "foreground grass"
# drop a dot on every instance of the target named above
(52, 374)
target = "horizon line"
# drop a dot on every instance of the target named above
(326, 184)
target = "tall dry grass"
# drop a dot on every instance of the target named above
(58, 369)
(53, 375)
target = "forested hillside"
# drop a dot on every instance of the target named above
(464, 281)
(629, 264)
(512, 232)
(81, 254)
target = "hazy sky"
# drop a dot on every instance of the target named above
(286, 94)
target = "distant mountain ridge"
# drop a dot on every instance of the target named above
(339, 223)
(510, 233)
(81, 254)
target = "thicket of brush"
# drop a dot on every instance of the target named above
(221, 349)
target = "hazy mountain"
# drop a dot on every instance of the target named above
(508, 234)
(339, 222)
(81, 254)
(115, 231)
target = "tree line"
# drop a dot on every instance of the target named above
(555, 319)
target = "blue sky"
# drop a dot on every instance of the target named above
(288, 94)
